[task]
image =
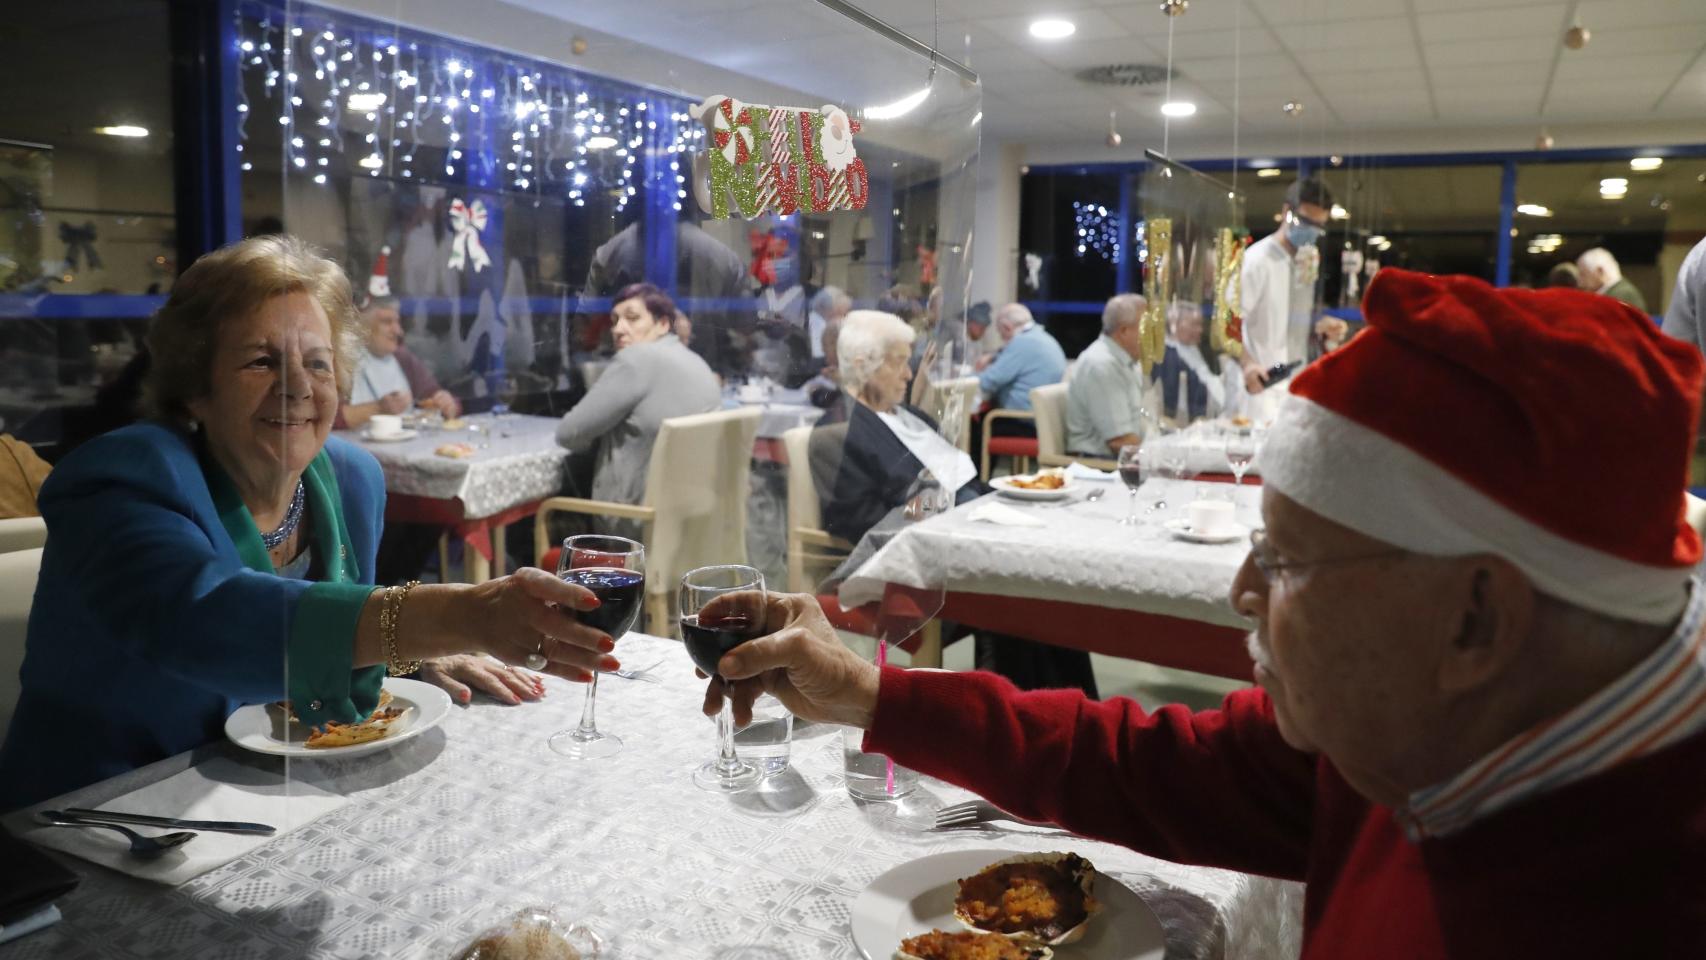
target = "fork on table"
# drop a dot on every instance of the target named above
(978, 811)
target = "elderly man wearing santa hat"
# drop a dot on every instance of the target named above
(1480, 725)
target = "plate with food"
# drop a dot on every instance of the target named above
(407, 708)
(1042, 485)
(999, 905)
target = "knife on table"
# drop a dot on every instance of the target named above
(216, 826)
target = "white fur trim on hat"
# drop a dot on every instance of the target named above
(1362, 479)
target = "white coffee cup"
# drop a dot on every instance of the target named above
(1211, 517)
(384, 425)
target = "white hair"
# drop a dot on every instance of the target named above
(1122, 311)
(1012, 317)
(830, 300)
(862, 347)
(1600, 259)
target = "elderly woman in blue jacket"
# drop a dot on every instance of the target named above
(222, 553)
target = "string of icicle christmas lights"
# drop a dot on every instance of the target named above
(352, 99)
(1096, 230)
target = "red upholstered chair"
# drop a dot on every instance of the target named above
(1022, 449)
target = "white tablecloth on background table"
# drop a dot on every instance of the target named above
(1081, 555)
(783, 411)
(1205, 448)
(522, 462)
(455, 830)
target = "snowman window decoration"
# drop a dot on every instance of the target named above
(780, 160)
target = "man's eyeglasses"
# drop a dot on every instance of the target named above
(1262, 555)
(1300, 218)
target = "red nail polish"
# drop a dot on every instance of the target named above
(606, 645)
(609, 663)
(592, 603)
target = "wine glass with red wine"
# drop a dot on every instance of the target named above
(614, 569)
(1131, 471)
(721, 608)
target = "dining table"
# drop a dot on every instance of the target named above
(1201, 446)
(1068, 571)
(414, 850)
(511, 463)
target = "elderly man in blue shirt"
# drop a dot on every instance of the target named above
(1030, 358)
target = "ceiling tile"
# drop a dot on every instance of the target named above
(1431, 6)
(1095, 53)
(1658, 67)
(1361, 60)
(1212, 15)
(1485, 24)
(1595, 14)
(1344, 34)
(1505, 50)
(1093, 26)
(1212, 43)
(1622, 41)
(1258, 67)
(1292, 12)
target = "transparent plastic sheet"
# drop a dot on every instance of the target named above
(1189, 245)
(495, 196)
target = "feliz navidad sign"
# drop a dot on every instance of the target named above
(780, 160)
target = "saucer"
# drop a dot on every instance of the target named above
(1181, 527)
(400, 435)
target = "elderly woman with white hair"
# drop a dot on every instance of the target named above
(889, 444)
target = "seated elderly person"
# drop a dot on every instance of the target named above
(390, 379)
(221, 554)
(874, 468)
(1104, 399)
(654, 377)
(1481, 719)
(889, 444)
(828, 306)
(1206, 391)
(1029, 358)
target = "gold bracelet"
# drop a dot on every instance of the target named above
(390, 617)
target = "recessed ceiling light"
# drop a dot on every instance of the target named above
(1533, 210)
(123, 130)
(1267, 172)
(1644, 164)
(1052, 29)
(1179, 108)
(600, 143)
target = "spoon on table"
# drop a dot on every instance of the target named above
(145, 848)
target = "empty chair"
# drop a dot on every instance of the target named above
(694, 510)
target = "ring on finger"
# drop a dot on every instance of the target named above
(536, 660)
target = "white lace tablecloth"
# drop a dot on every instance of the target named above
(785, 411)
(457, 829)
(1205, 449)
(1083, 554)
(521, 462)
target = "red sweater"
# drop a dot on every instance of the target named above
(1611, 866)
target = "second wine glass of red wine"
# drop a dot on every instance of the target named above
(721, 608)
(614, 569)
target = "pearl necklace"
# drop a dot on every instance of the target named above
(292, 517)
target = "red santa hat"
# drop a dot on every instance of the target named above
(1549, 427)
(379, 285)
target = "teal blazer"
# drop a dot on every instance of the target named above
(158, 612)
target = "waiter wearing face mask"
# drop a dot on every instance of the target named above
(1278, 290)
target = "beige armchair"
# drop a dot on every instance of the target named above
(812, 550)
(22, 533)
(18, 572)
(694, 511)
(1049, 405)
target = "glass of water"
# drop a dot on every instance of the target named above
(766, 740)
(872, 776)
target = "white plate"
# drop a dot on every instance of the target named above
(424, 708)
(1181, 527)
(1003, 486)
(918, 896)
(400, 435)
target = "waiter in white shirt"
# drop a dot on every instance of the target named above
(1277, 296)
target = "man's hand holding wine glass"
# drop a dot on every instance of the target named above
(800, 662)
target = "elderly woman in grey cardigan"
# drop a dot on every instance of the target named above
(654, 377)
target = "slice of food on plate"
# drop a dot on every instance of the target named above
(1041, 897)
(381, 722)
(455, 451)
(969, 945)
(1044, 480)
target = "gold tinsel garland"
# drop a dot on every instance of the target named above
(1158, 292)
(1227, 333)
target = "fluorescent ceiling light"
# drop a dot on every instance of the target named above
(600, 143)
(899, 108)
(366, 102)
(1377, 239)
(1613, 183)
(1646, 163)
(1179, 108)
(1385, 245)
(1533, 210)
(123, 130)
(1267, 172)
(1339, 213)
(1052, 29)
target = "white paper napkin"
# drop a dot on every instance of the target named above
(218, 789)
(1004, 515)
(1078, 471)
